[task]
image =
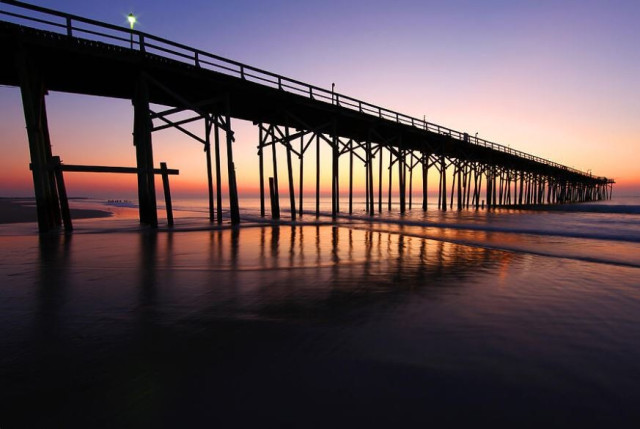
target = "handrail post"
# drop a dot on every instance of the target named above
(69, 27)
(141, 38)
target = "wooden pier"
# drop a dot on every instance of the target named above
(44, 49)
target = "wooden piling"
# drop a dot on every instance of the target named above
(468, 181)
(337, 161)
(292, 197)
(167, 193)
(425, 177)
(33, 92)
(144, 154)
(62, 194)
(380, 178)
(476, 186)
(301, 177)
(273, 198)
(494, 187)
(390, 177)
(459, 187)
(207, 149)
(261, 167)
(411, 181)
(370, 208)
(439, 188)
(520, 196)
(216, 135)
(351, 179)
(334, 175)
(443, 176)
(317, 175)
(489, 175)
(401, 178)
(233, 188)
(501, 187)
(453, 183)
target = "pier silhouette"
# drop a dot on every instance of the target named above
(45, 49)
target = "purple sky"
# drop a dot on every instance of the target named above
(558, 79)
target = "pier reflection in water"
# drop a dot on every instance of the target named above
(309, 324)
(260, 271)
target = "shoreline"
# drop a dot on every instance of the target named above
(23, 210)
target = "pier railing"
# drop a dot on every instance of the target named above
(76, 26)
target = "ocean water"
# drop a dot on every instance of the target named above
(449, 319)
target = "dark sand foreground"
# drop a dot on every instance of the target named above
(16, 210)
(310, 327)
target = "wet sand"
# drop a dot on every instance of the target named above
(508, 319)
(17, 210)
(310, 326)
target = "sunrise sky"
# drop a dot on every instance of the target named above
(557, 79)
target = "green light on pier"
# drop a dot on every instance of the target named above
(132, 20)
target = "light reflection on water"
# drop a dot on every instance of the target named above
(367, 326)
(595, 232)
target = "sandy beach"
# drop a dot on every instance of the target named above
(17, 210)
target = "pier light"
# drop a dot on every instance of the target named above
(132, 20)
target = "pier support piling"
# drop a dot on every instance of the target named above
(216, 140)
(62, 194)
(292, 197)
(233, 187)
(33, 93)
(273, 198)
(207, 149)
(144, 154)
(167, 193)
(261, 170)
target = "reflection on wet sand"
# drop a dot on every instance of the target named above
(256, 269)
(238, 327)
(248, 268)
(52, 288)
